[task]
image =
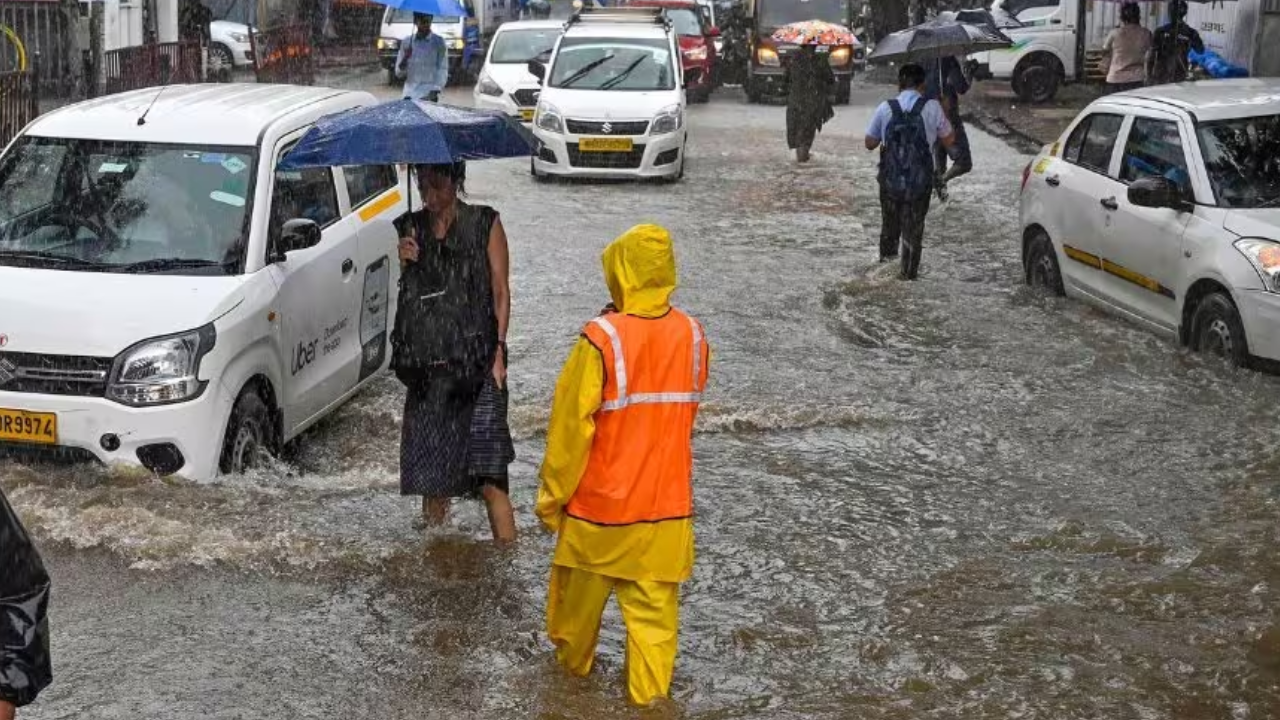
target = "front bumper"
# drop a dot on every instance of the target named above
(1260, 313)
(505, 104)
(772, 80)
(241, 55)
(194, 428)
(653, 156)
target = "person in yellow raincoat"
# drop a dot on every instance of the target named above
(617, 478)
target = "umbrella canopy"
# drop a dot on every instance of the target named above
(814, 32)
(431, 7)
(937, 39)
(409, 131)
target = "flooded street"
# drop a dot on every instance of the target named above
(946, 499)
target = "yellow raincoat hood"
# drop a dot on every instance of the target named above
(640, 270)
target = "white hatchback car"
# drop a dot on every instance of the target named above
(1162, 205)
(229, 44)
(505, 83)
(169, 299)
(612, 102)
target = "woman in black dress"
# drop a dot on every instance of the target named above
(809, 84)
(449, 349)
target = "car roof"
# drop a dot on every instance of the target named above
(664, 4)
(619, 30)
(530, 25)
(213, 114)
(1214, 99)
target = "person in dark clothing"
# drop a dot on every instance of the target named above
(905, 130)
(945, 82)
(449, 349)
(24, 627)
(1168, 62)
(809, 83)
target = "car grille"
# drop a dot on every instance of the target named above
(596, 127)
(528, 97)
(55, 455)
(606, 160)
(54, 374)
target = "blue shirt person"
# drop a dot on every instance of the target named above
(423, 62)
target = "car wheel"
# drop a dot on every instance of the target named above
(1037, 79)
(1216, 330)
(248, 439)
(1042, 271)
(533, 170)
(221, 57)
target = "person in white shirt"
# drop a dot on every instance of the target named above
(423, 62)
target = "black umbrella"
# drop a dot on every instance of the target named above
(938, 39)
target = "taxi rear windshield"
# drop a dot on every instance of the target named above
(125, 206)
(1243, 160)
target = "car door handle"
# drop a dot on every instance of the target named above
(1052, 181)
(1110, 204)
(348, 266)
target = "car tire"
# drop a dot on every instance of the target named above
(1037, 79)
(249, 434)
(1216, 329)
(533, 170)
(1041, 269)
(221, 57)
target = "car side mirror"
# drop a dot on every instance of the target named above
(1157, 192)
(297, 234)
(692, 76)
(538, 70)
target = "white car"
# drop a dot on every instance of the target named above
(613, 99)
(229, 44)
(1162, 205)
(505, 83)
(170, 299)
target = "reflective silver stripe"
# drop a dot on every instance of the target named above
(653, 399)
(697, 353)
(619, 365)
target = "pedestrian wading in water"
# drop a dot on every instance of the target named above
(617, 481)
(449, 349)
(945, 82)
(905, 130)
(809, 85)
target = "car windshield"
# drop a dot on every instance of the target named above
(776, 13)
(636, 64)
(401, 16)
(685, 21)
(124, 206)
(521, 46)
(1243, 160)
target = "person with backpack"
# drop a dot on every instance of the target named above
(905, 130)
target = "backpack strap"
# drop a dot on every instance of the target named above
(917, 110)
(896, 108)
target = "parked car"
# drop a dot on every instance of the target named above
(505, 82)
(229, 45)
(612, 102)
(697, 41)
(171, 299)
(1162, 206)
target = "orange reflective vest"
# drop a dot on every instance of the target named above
(641, 463)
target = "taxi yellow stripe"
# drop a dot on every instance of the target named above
(1119, 271)
(379, 206)
(1081, 256)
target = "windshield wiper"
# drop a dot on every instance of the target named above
(1268, 203)
(164, 264)
(585, 70)
(37, 257)
(622, 75)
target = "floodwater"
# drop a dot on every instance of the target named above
(946, 499)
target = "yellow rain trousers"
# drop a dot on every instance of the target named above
(642, 563)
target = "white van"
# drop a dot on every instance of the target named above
(167, 298)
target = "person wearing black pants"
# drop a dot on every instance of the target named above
(903, 226)
(945, 82)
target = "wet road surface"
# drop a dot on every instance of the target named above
(946, 499)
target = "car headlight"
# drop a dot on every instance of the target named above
(697, 53)
(239, 38)
(161, 370)
(486, 86)
(388, 44)
(669, 120)
(1264, 255)
(458, 43)
(840, 56)
(767, 56)
(549, 119)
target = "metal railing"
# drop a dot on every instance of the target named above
(19, 102)
(144, 66)
(283, 55)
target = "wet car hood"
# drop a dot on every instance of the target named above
(101, 314)
(1263, 223)
(511, 76)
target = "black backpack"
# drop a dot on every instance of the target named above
(906, 160)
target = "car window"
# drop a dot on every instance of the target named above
(1242, 156)
(1154, 149)
(307, 193)
(621, 64)
(37, 165)
(1092, 142)
(685, 21)
(517, 47)
(365, 182)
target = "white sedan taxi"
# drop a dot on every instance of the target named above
(1162, 206)
(505, 83)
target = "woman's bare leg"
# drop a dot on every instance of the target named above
(502, 517)
(435, 511)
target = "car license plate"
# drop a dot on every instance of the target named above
(526, 114)
(605, 145)
(29, 427)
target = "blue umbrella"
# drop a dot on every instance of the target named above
(409, 131)
(451, 8)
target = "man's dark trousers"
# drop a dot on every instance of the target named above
(902, 226)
